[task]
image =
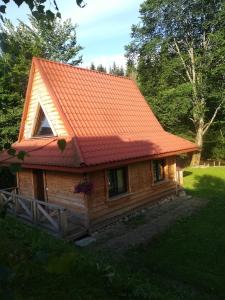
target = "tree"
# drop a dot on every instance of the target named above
(49, 39)
(100, 68)
(179, 49)
(116, 70)
(92, 67)
(38, 8)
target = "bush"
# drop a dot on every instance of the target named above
(7, 179)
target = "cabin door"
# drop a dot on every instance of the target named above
(39, 185)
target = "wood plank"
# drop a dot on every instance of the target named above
(39, 90)
(23, 205)
(142, 191)
(47, 217)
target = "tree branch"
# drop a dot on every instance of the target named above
(222, 135)
(205, 41)
(207, 125)
(183, 61)
(194, 122)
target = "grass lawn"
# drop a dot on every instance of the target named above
(186, 262)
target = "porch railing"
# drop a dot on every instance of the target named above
(50, 216)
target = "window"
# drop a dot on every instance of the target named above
(117, 181)
(42, 127)
(158, 170)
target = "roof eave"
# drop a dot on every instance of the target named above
(93, 168)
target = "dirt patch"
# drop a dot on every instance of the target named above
(142, 225)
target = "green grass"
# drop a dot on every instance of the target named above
(192, 252)
(186, 262)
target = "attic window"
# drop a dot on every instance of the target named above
(42, 127)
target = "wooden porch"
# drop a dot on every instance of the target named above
(55, 219)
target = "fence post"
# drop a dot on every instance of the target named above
(34, 208)
(1, 199)
(63, 224)
(16, 205)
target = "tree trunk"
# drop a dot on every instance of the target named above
(195, 161)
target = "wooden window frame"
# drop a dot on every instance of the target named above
(127, 182)
(34, 125)
(164, 179)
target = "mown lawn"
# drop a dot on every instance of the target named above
(186, 262)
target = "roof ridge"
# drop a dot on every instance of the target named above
(80, 68)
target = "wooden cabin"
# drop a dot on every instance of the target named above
(115, 146)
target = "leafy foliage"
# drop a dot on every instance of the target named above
(178, 53)
(7, 179)
(38, 8)
(61, 144)
(214, 146)
(50, 39)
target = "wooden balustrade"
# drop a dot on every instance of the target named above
(50, 216)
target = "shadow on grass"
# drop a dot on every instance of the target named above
(186, 173)
(210, 187)
(192, 250)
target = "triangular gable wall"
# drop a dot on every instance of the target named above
(39, 96)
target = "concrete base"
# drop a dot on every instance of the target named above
(85, 241)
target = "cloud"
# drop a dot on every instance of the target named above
(96, 11)
(103, 28)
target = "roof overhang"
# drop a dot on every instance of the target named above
(93, 168)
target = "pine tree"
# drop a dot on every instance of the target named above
(100, 68)
(115, 70)
(92, 67)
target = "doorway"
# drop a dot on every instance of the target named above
(39, 185)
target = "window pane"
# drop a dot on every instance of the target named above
(117, 182)
(161, 170)
(121, 180)
(42, 127)
(155, 170)
(158, 170)
(111, 182)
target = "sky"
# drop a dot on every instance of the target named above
(104, 27)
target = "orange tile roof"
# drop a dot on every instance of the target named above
(106, 116)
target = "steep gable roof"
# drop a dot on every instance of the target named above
(106, 116)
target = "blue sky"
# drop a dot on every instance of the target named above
(103, 26)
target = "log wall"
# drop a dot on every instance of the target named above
(141, 190)
(25, 183)
(59, 189)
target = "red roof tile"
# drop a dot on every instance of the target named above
(44, 152)
(107, 116)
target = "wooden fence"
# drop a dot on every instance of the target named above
(52, 217)
(212, 163)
